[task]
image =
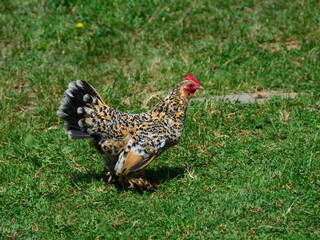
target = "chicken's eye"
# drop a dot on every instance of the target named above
(190, 85)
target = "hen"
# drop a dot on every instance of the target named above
(129, 141)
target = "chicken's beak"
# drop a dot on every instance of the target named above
(199, 87)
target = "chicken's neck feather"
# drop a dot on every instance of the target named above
(175, 104)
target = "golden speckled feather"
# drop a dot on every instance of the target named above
(129, 141)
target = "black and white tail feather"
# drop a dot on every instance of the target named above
(75, 108)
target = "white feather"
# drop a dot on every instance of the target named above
(86, 98)
(62, 114)
(79, 84)
(72, 86)
(68, 92)
(120, 163)
(80, 110)
(88, 110)
(76, 134)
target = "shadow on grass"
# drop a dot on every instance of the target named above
(158, 177)
(164, 174)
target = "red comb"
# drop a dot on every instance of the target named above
(191, 77)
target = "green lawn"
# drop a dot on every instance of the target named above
(241, 171)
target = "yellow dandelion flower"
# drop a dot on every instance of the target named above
(79, 25)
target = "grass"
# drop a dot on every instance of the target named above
(241, 171)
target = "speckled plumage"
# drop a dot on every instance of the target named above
(129, 141)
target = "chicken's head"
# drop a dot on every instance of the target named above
(191, 85)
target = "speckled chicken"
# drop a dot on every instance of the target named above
(129, 141)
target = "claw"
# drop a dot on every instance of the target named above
(142, 183)
(110, 179)
(131, 186)
(110, 175)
